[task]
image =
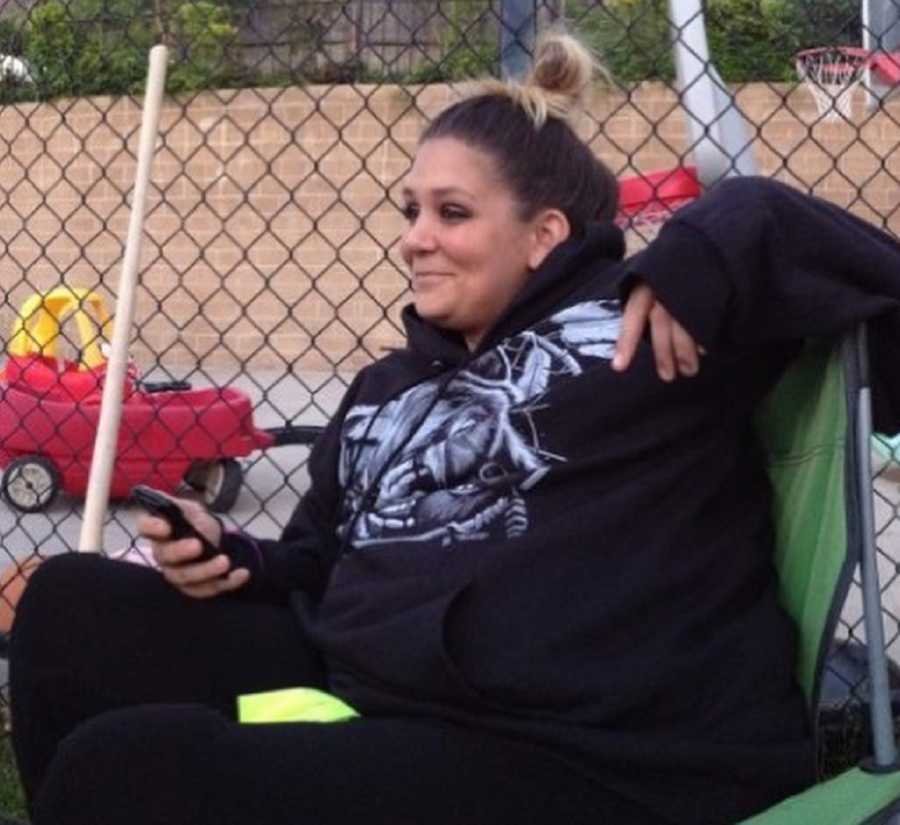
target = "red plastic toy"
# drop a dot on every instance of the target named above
(169, 433)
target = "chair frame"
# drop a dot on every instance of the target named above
(862, 529)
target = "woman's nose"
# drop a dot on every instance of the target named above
(419, 237)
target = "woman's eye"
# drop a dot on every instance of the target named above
(454, 213)
(410, 211)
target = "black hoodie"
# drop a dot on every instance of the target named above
(524, 540)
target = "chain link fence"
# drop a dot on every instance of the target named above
(270, 272)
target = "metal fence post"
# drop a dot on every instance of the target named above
(518, 24)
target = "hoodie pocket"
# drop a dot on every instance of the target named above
(454, 671)
(405, 651)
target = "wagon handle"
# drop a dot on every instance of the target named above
(100, 478)
(294, 434)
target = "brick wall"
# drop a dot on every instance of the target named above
(269, 237)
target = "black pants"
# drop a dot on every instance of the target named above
(123, 696)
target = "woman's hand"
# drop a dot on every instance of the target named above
(200, 580)
(673, 348)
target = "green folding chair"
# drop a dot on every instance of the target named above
(817, 428)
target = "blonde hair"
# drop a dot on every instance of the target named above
(563, 69)
(525, 129)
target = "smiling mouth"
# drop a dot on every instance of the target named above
(427, 278)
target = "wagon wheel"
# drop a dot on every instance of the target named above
(219, 482)
(196, 475)
(30, 483)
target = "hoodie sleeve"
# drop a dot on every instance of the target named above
(755, 262)
(301, 559)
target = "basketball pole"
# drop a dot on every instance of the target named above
(868, 42)
(720, 135)
(103, 459)
(518, 19)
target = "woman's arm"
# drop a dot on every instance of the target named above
(755, 261)
(261, 569)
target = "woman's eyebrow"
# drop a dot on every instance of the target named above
(452, 190)
(440, 192)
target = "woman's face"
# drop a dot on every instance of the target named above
(468, 251)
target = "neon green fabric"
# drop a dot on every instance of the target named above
(848, 799)
(293, 705)
(803, 426)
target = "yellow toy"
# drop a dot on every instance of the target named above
(37, 331)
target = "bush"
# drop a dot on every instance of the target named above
(51, 47)
(757, 39)
(469, 44)
(749, 43)
(86, 47)
(632, 36)
(89, 47)
(203, 33)
(748, 39)
(10, 36)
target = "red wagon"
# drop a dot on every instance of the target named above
(169, 434)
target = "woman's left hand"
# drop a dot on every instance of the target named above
(675, 351)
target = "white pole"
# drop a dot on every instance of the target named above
(720, 136)
(100, 478)
(868, 42)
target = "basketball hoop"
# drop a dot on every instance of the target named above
(832, 73)
(647, 201)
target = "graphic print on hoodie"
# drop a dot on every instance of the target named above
(450, 460)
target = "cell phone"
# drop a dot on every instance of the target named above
(160, 505)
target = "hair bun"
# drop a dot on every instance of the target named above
(562, 66)
(563, 69)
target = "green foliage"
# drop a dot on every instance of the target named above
(86, 47)
(112, 44)
(757, 39)
(749, 39)
(89, 47)
(816, 23)
(10, 35)
(470, 47)
(203, 34)
(12, 86)
(632, 36)
(52, 45)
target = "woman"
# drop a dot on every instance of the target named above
(540, 574)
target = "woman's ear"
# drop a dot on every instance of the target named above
(551, 228)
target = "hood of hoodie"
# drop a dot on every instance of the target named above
(564, 271)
